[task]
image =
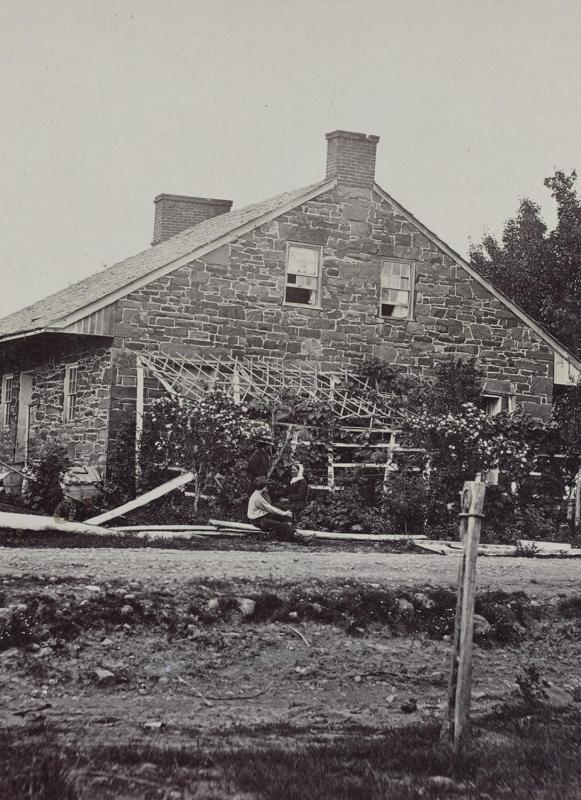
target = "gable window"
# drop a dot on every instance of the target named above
(302, 275)
(396, 290)
(70, 392)
(6, 400)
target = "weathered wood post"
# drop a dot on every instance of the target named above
(460, 685)
(577, 518)
(139, 410)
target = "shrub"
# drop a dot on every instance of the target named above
(342, 511)
(411, 505)
(44, 491)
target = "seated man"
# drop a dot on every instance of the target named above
(266, 516)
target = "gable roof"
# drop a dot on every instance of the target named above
(467, 267)
(67, 305)
(97, 291)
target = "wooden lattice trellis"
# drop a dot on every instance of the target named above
(349, 397)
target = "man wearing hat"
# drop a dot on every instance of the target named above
(259, 461)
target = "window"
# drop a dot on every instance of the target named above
(6, 400)
(396, 290)
(302, 275)
(495, 404)
(70, 392)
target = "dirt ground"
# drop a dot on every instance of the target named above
(239, 683)
(159, 567)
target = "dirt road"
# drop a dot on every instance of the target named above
(157, 567)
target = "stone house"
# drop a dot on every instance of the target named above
(331, 273)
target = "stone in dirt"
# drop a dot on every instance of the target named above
(423, 601)
(409, 706)
(213, 604)
(246, 606)
(104, 677)
(153, 726)
(405, 608)
(127, 611)
(482, 626)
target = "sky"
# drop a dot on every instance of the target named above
(107, 104)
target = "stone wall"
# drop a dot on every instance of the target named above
(232, 302)
(85, 437)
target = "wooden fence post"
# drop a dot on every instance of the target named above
(139, 411)
(460, 685)
(577, 518)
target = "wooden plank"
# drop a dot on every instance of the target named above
(144, 499)
(358, 537)
(237, 526)
(193, 534)
(544, 547)
(434, 547)
(33, 522)
(130, 528)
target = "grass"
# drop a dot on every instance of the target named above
(516, 752)
(61, 614)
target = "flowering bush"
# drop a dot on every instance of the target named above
(470, 441)
(203, 436)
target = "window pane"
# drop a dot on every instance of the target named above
(395, 296)
(303, 261)
(299, 295)
(393, 311)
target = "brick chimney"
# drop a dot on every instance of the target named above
(175, 213)
(351, 158)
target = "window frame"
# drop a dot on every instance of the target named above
(319, 250)
(69, 407)
(412, 290)
(6, 398)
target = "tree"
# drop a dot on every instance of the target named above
(537, 269)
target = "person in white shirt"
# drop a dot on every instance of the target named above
(264, 515)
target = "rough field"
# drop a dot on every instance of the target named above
(150, 673)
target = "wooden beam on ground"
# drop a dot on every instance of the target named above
(131, 528)
(192, 534)
(441, 548)
(358, 537)
(144, 499)
(235, 526)
(36, 523)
